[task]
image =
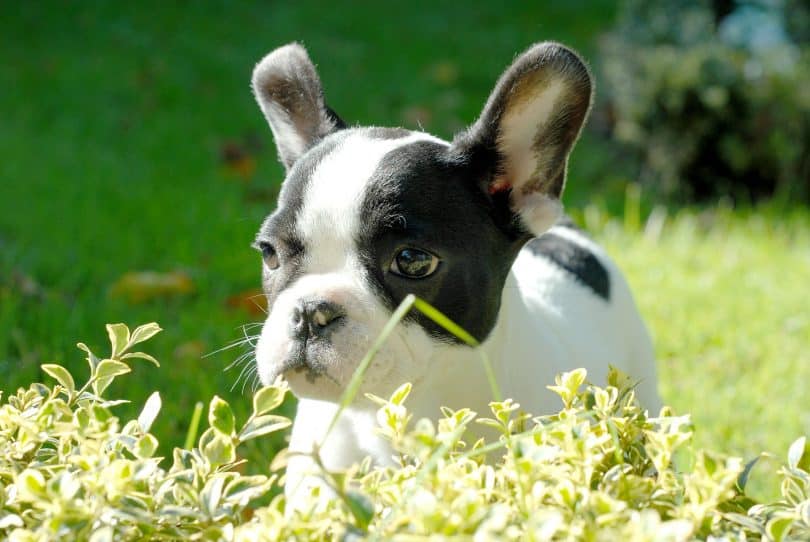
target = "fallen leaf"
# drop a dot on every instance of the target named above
(143, 286)
(237, 159)
(190, 350)
(445, 72)
(252, 301)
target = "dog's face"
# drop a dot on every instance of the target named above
(367, 216)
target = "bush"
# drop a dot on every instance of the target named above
(600, 469)
(712, 97)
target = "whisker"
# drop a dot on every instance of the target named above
(252, 376)
(239, 342)
(248, 375)
(246, 356)
(256, 381)
(243, 376)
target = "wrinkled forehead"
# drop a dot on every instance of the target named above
(321, 203)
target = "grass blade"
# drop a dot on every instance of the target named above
(354, 384)
(191, 436)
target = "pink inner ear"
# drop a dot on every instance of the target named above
(499, 185)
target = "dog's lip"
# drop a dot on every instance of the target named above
(298, 363)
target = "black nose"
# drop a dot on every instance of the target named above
(315, 319)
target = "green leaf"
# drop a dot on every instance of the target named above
(143, 333)
(746, 521)
(211, 494)
(244, 489)
(61, 375)
(778, 527)
(105, 533)
(263, 425)
(795, 452)
(267, 399)
(110, 368)
(150, 411)
(141, 355)
(105, 373)
(92, 359)
(30, 485)
(220, 416)
(119, 338)
(742, 479)
(11, 520)
(361, 508)
(220, 450)
(146, 446)
(401, 393)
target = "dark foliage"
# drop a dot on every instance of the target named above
(712, 98)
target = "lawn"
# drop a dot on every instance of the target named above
(131, 143)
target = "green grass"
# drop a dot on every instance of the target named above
(114, 116)
(726, 296)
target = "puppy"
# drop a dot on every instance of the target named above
(368, 215)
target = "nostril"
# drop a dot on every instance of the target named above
(322, 315)
(296, 316)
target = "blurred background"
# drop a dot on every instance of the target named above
(136, 169)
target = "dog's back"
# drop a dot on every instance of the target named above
(569, 306)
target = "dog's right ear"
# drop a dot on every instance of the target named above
(527, 129)
(290, 95)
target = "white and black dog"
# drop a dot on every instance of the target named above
(367, 216)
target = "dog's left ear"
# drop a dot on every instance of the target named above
(527, 129)
(290, 95)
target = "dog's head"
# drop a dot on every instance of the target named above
(367, 216)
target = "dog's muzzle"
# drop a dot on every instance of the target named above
(312, 323)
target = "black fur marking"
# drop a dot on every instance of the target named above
(424, 196)
(585, 267)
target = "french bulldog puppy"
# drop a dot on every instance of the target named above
(368, 215)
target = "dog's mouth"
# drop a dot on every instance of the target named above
(301, 362)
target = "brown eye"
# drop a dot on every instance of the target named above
(269, 255)
(414, 263)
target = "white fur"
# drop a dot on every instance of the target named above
(283, 128)
(538, 211)
(548, 323)
(520, 125)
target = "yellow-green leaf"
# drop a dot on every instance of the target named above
(61, 375)
(267, 399)
(141, 355)
(109, 368)
(220, 416)
(119, 338)
(143, 333)
(263, 425)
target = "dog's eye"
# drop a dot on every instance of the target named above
(269, 255)
(414, 263)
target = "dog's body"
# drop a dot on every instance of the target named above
(369, 215)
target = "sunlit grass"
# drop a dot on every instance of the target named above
(727, 297)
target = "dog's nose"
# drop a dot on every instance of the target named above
(314, 319)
